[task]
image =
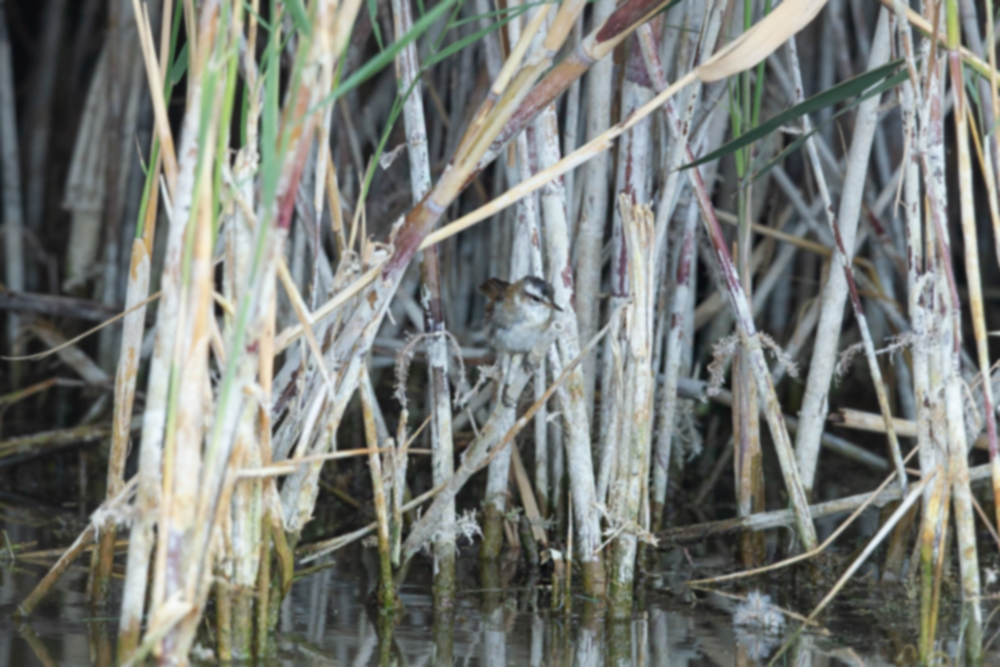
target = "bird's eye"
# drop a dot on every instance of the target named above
(534, 298)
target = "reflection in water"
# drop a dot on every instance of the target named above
(497, 620)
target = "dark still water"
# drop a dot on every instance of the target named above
(325, 621)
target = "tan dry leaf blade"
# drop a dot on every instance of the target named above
(761, 40)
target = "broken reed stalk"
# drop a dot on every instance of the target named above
(637, 417)
(632, 179)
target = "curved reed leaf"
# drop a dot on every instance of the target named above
(835, 95)
(893, 81)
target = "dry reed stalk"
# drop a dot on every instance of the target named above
(612, 403)
(995, 108)
(246, 512)
(632, 469)
(386, 593)
(136, 293)
(553, 203)
(247, 528)
(532, 515)
(683, 297)
(844, 256)
(958, 470)
(933, 541)
(922, 121)
(571, 129)
(931, 514)
(407, 68)
(178, 544)
(814, 403)
(748, 462)
(84, 191)
(13, 211)
(68, 353)
(123, 93)
(970, 241)
(594, 207)
(947, 418)
(154, 417)
(16, 450)
(84, 540)
(632, 179)
(39, 113)
(186, 431)
(870, 421)
(572, 400)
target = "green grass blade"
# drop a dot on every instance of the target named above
(299, 16)
(383, 59)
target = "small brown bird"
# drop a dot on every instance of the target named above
(518, 314)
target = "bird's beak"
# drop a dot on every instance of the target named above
(552, 304)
